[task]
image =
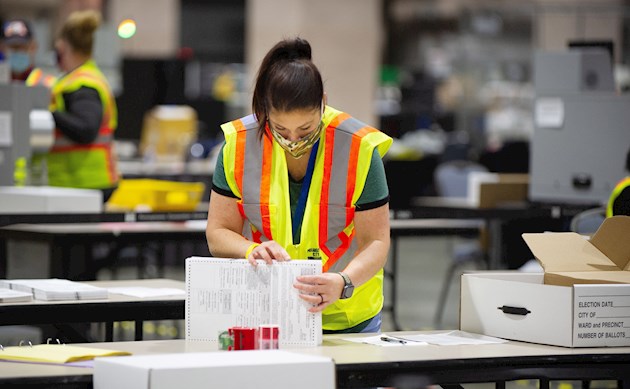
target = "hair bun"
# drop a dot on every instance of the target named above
(294, 49)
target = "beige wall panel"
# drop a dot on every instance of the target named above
(158, 32)
(559, 21)
(554, 29)
(605, 26)
(345, 37)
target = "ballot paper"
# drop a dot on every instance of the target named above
(223, 293)
(55, 289)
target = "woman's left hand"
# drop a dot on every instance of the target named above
(320, 290)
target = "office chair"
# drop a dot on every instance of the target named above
(588, 221)
(451, 180)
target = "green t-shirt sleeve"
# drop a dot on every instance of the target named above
(375, 192)
(219, 182)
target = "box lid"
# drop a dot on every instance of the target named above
(567, 251)
(587, 277)
(571, 256)
(612, 239)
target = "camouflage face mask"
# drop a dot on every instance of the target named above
(298, 148)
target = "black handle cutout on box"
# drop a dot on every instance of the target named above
(514, 310)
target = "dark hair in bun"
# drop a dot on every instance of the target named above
(287, 80)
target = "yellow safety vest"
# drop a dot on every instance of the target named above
(38, 77)
(92, 165)
(256, 171)
(621, 185)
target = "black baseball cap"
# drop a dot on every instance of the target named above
(17, 32)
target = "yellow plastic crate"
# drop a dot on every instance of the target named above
(156, 195)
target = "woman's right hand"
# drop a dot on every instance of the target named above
(268, 252)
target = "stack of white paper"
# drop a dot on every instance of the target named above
(222, 293)
(55, 289)
(14, 296)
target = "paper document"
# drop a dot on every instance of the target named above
(437, 338)
(144, 292)
(384, 340)
(55, 289)
(223, 293)
(14, 296)
(451, 338)
(55, 353)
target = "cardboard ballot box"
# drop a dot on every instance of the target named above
(487, 190)
(275, 369)
(49, 199)
(581, 300)
(167, 133)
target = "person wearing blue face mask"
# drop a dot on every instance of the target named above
(20, 49)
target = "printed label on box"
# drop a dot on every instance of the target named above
(601, 315)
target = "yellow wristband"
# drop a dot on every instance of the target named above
(250, 249)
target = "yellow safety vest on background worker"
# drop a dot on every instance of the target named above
(621, 185)
(38, 77)
(256, 171)
(91, 165)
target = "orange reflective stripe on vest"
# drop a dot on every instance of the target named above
(34, 77)
(257, 172)
(344, 153)
(38, 77)
(102, 140)
(254, 178)
(79, 165)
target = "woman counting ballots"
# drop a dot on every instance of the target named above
(84, 111)
(299, 179)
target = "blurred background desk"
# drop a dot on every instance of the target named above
(103, 217)
(66, 250)
(505, 222)
(116, 308)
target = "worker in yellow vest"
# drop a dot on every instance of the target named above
(84, 110)
(20, 47)
(299, 179)
(619, 201)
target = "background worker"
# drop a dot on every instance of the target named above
(301, 180)
(20, 48)
(619, 202)
(84, 111)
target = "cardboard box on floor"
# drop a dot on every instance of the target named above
(581, 300)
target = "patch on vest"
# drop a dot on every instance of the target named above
(313, 253)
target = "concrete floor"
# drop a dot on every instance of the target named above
(422, 267)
